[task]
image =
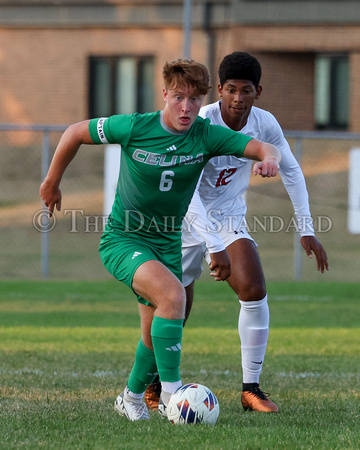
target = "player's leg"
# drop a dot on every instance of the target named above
(130, 402)
(192, 267)
(144, 369)
(159, 286)
(189, 290)
(138, 265)
(247, 280)
(153, 391)
(192, 258)
(121, 254)
(160, 347)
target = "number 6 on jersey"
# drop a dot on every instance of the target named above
(166, 182)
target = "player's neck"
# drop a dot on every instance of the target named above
(235, 124)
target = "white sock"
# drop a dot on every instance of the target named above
(167, 388)
(253, 332)
(131, 396)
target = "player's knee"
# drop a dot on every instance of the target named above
(252, 292)
(181, 302)
(175, 300)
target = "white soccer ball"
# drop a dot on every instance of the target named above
(193, 403)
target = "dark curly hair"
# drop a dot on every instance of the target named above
(240, 66)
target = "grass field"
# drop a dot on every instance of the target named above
(66, 349)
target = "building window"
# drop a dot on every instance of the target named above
(332, 92)
(121, 85)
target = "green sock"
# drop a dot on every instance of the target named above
(166, 337)
(144, 369)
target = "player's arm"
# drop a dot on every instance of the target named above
(294, 182)
(74, 136)
(268, 155)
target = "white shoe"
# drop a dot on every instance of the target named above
(133, 410)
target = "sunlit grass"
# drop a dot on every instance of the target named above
(66, 350)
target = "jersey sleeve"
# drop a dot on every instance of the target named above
(110, 130)
(223, 141)
(293, 180)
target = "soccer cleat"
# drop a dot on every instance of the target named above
(257, 400)
(152, 395)
(135, 410)
(162, 408)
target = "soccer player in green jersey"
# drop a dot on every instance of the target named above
(162, 156)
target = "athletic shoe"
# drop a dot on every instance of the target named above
(133, 410)
(152, 395)
(257, 400)
(162, 408)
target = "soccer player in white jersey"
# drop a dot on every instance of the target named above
(220, 196)
(162, 156)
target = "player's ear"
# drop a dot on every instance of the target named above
(258, 92)
(165, 93)
(220, 90)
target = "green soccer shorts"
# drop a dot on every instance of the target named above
(123, 252)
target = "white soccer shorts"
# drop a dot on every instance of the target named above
(192, 256)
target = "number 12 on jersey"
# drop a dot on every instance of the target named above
(223, 177)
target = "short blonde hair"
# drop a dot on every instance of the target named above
(187, 71)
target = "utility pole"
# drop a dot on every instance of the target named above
(207, 26)
(187, 29)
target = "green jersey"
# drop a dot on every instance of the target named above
(159, 169)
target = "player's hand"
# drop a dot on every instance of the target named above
(312, 245)
(266, 168)
(51, 195)
(220, 265)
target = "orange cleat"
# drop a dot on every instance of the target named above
(257, 400)
(152, 395)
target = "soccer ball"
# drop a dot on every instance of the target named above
(193, 403)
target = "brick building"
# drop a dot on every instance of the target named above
(63, 61)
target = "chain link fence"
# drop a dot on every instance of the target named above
(67, 247)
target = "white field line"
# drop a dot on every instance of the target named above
(300, 298)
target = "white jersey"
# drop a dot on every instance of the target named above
(226, 178)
